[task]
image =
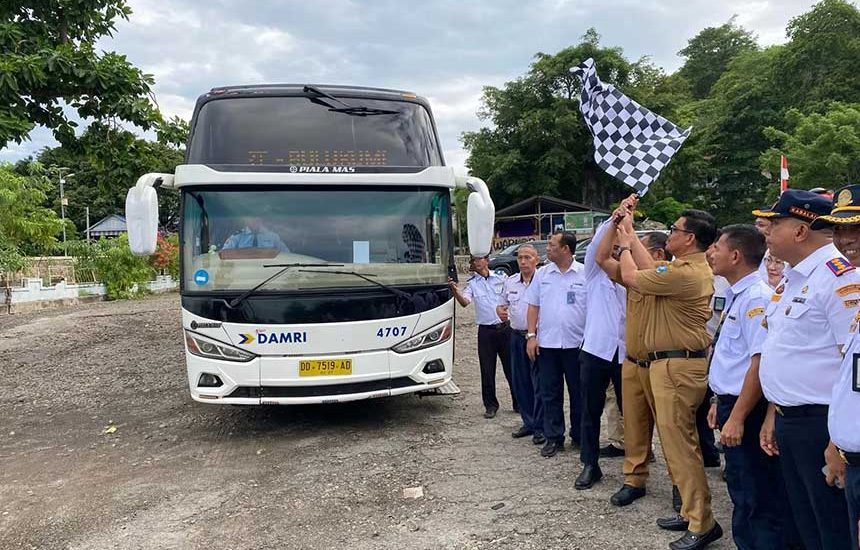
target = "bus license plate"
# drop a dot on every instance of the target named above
(328, 367)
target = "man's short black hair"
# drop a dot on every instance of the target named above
(702, 225)
(747, 240)
(567, 239)
(658, 239)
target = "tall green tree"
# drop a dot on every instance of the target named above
(708, 54)
(819, 64)
(824, 148)
(48, 59)
(25, 225)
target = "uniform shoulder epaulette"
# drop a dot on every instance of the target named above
(839, 265)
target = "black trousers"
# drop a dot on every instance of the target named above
(492, 342)
(558, 367)
(755, 484)
(594, 377)
(819, 510)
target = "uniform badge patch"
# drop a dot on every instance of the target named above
(755, 311)
(780, 289)
(848, 289)
(662, 268)
(839, 266)
(804, 290)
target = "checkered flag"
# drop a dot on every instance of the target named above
(630, 142)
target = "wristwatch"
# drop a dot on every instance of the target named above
(531, 335)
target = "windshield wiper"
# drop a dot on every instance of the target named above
(347, 109)
(239, 299)
(367, 277)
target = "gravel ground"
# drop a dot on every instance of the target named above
(179, 474)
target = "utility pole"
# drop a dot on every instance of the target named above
(88, 225)
(63, 204)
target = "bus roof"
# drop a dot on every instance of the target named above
(298, 90)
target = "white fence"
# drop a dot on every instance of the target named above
(32, 294)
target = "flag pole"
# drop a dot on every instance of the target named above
(783, 174)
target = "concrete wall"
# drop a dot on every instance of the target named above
(33, 295)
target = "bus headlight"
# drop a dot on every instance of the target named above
(204, 347)
(430, 337)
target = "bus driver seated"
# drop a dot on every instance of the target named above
(255, 235)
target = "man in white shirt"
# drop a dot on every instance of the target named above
(843, 420)
(556, 322)
(513, 308)
(754, 479)
(602, 351)
(483, 288)
(807, 322)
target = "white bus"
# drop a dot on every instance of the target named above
(315, 245)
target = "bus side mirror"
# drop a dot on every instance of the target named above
(480, 215)
(141, 213)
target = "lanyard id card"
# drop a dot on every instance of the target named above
(855, 373)
(571, 297)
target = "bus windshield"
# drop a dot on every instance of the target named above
(297, 131)
(395, 236)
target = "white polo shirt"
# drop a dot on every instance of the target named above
(807, 319)
(561, 298)
(484, 293)
(741, 334)
(843, 419)
(514, 296)
(605, 305)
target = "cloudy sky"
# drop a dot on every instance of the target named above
(445, 50)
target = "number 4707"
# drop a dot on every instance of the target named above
(391, 331)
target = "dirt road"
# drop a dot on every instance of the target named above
(177, 474)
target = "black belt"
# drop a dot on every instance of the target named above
(851, 459)
(727, 397)
(522, 333)
(801, 410)
(497, 326)
(676, 354)
(638, 363)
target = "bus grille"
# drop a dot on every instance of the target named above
(256, 392)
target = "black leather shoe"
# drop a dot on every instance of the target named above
(712, 461)
(692, 541)
(675, 523)
(538, 439)
(490, 413)
(611, 451)
(551, 448)
(589, 476)
(626, 495)
(676, 499)
(522, 432)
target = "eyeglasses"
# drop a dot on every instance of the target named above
(672, 229)
(773, 261)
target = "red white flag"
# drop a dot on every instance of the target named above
(783, 174)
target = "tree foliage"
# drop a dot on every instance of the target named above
(824, 147)
(709, 53)
(23, 219)
(49, 59)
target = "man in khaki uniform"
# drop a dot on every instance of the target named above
(637, 399)
(676, 339)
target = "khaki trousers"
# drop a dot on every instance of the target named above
(638, 404)
(614, 419)
(678, 387)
